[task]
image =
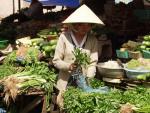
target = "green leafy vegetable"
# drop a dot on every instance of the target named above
(81, 58)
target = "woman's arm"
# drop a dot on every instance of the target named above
(59, 54)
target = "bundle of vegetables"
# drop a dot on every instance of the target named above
(146, 43)
(36, 76)
(81, 58)
(77, 101)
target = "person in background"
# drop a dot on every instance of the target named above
(77, 35)
(35, 10)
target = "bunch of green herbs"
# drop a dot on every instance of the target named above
(81, 58)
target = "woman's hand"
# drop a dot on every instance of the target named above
(73, 66)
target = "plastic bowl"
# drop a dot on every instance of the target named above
(133, 73)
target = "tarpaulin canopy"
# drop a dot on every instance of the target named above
(123, 1)
(68, 3)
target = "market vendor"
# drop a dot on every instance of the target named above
(35, 10)
(78, 35)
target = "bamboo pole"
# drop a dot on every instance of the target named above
(13, 6)
(19, 5)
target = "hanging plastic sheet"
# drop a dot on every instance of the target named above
(123, 1)
(68, 3)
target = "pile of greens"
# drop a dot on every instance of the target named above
(77, 101)
(137, 63)
(32, 76)
(132, 64)
(31, 56)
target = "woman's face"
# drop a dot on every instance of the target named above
(82, 28)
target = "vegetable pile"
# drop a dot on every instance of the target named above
(131, 45)
(77, 101)
(136, 63)
(146, 43)
(26, 75)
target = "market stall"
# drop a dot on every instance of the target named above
(111, 71)
(28, 77)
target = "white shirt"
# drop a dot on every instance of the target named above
(75, 41)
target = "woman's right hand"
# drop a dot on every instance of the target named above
(72, 67)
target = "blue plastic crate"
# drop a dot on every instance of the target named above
(122, 54)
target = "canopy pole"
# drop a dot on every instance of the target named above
(13, 6)
(19, 5)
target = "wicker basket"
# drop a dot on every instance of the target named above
(135, 54)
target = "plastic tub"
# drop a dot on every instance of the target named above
(133, 73)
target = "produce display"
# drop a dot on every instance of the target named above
(146, 43)
(77, 101)
(45, 42)
(48, 48)
(132, 45)
(22, 72)
(130, 49)
(139, 63)
(52, 32)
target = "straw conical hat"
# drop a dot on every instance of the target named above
(83, 15)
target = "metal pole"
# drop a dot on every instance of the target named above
(13, 6)
(19, 5)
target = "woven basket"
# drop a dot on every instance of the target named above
(135, 54)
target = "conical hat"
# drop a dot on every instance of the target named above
(83, 15)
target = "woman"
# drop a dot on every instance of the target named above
(79, 36)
